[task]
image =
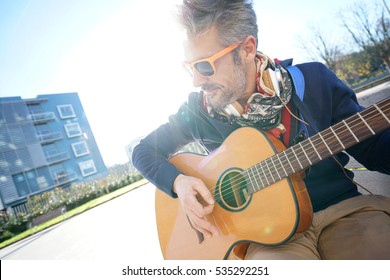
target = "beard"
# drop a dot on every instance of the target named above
(219, 96)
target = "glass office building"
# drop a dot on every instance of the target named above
(45, 142)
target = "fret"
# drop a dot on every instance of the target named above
(264, 174)
(285, 162)
(331, 141)
(289, 162)
(270, 172)
(296, 159)
(285, 172)
(259, 178)
(380, 111)
(299, 162)
(353, 134)
(338, 139)
(314, 148)
(251, 181)
(250, 186)
(373, 133)
(300, 144)
(326, 145)
(276, 169)
(301, 152)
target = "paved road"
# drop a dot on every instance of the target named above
(121, 229)
(374, 95)
(124, 228)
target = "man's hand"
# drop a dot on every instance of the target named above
(186, 188)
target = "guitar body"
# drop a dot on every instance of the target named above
(270, 216)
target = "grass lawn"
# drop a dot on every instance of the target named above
(91, 204)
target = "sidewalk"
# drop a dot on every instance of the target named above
(375, 182)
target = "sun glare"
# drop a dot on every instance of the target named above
(128, 74)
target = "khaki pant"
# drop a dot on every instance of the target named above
(357, 228)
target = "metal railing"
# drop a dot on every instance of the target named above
(64, 178)
(49, 137)
(42, 117)
(58, 157)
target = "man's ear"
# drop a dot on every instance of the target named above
(249, 48)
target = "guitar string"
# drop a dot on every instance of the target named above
(333, 140)
(354, 121)
(331, 144)
(352, 124)
(300, 153)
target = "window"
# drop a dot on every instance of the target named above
(43, 177)
(80, 149)
(43, 184)
(58, 174)
(87, 168)
(66, 111)
(32, 181)
(73, 130)
(21, 184)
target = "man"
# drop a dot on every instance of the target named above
(243, 87)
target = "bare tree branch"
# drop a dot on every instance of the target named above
(369, 29)
(320, 46)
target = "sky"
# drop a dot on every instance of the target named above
(123, 57)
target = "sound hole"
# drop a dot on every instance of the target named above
(231, 192)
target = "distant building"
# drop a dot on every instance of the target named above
(45, 142)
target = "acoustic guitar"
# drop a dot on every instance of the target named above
(257, 185)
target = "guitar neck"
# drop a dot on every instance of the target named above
(328, 142)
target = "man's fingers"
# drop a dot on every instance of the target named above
(199, 210)
(208, 209)
(204, 226)
(188, 190)
(204, 192)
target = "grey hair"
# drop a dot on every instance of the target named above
(234, 19)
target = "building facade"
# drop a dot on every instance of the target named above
(45, 142)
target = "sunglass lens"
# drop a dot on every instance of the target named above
(204, 68)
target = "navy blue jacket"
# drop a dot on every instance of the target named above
(327, 99)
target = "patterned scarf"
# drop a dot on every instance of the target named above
(263, 108)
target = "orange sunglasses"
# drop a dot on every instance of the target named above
(206, 66)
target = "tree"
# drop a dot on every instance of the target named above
(320, 45)
(353, 67)
(369, 28)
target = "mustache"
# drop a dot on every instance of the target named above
(209, 87)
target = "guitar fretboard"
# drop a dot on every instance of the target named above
(328, 142)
